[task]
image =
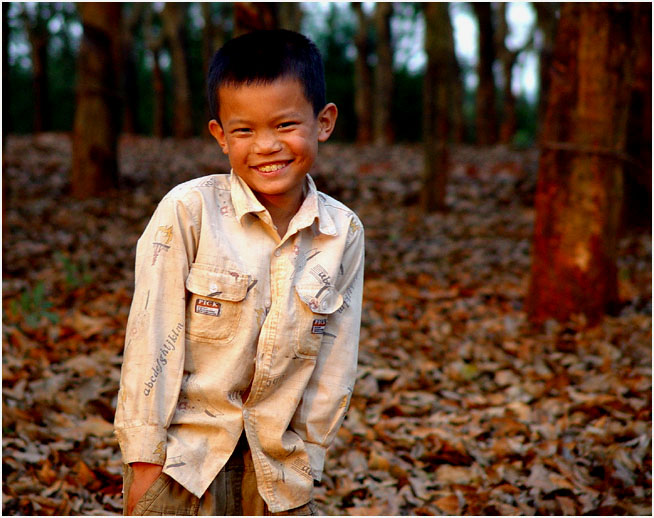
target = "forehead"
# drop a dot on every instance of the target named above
(280, 94)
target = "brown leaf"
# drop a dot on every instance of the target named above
(449, 504)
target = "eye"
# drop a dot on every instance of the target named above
(241, 131)
(287, 125)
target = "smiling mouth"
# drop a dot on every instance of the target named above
(271, 168)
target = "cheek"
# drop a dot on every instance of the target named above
(302, 147)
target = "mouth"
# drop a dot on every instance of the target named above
(272, 167)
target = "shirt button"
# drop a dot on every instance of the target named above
(278, 252)
(246, 414)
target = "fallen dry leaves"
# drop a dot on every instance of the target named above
(461, 406)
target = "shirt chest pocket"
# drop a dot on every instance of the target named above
(317, 303)
(215, 304)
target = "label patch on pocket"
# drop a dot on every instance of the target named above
(318, 327)
(207, 307)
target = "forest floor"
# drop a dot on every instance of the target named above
(461, 405)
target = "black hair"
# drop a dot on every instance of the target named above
(261, 57)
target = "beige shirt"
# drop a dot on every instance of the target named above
(232, 328)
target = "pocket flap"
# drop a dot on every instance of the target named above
(230, 286)
(321, 299)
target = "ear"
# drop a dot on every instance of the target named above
(326, 121)
(218, 133)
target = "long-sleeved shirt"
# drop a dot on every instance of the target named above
(232, 328)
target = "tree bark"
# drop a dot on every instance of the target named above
(382, 123)
(130, 76)
(508, 59)
(486, 115)
(637, 213)
(97, 112)
(213, 38)
(36, 24)
(547, 22)
(154, 42)
(252, 16)
(174, 18)
(290, 16)
(579, 191)
(6, 81)
(438, 95)
(363, 105)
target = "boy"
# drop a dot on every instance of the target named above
(242, 339)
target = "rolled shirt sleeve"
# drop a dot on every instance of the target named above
(154, 343)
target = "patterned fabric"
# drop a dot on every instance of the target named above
(233, 329)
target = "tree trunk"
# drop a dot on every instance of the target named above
(363, 106)
(579, 191)
(638, 176)
(6, 82)
(382, 124)
(174, 18)
(130, 75)
(547, 21)
(36, 25)
(486, 115)
(154, 43)
(437, 99)
(290, 16)
(507, 59)
(252, 16)
(96, 125)
(213, 38)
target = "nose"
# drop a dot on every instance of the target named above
(267, 142)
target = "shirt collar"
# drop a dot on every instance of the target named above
(312, 208)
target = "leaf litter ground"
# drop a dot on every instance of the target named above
(461, 406)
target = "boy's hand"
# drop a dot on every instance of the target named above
(144, 476)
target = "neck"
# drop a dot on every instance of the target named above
(281, 208)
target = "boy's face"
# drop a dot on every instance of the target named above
(271, 135)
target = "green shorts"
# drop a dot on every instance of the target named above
(232, 493)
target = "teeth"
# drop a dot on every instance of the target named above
(271, 168)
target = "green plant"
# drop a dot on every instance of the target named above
(76, 275)
(33, 306)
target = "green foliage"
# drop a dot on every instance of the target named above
(33, 306)
(76, 276)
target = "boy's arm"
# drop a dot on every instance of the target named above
(326, 398)
(154, 344)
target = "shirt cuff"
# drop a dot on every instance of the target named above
(316, 459)
(143, 444)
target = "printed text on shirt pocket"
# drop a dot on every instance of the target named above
(318, 302)
(215, 304)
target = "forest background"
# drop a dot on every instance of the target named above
(505, 363)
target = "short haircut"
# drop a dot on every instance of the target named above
(261, 57)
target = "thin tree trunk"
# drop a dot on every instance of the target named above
(96, 125)
(6, 80)
(547, 22)
(363, 105)
(251, 16)
(37, 33)
(154, 44)
(213, 38)
(174, 18)
(382, 124)
(638, 178)
(508, 59)
(130, 75)
(486, 117)
(579, 192)
(290, 16)
(437, 99)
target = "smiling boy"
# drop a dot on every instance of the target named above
(242, 339)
